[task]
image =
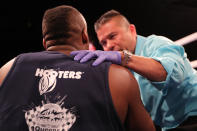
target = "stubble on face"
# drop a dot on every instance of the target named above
(115, 32)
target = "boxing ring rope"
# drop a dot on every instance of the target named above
(194, 63)
(187, 40)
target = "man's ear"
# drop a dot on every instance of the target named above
(85, 38)
(44, 43)
(132, 28)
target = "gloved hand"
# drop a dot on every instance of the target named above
(85, 55)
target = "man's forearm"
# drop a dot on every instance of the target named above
(147, 67)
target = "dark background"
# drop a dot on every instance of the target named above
(20, 22)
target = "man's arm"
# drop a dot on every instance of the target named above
(147, 67)
(5, 69)
(126, 98)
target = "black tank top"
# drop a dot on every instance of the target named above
(48, 91)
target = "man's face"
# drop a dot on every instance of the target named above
(114, 36)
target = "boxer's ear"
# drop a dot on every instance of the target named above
(85, 38)
(44, 43)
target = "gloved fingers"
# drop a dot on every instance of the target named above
(87, 57)
(98, 61)
(116, 58)
(79, 54)
(74, 53)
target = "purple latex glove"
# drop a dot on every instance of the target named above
(101, 56)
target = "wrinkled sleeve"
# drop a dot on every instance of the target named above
(171, 57)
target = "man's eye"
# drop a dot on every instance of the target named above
(103, 43)
(111, 36)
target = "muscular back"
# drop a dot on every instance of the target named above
(126, 98)
(125, 95)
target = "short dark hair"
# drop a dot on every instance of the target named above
(107, 17)
(61, 22)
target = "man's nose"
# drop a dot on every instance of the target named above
(110, 46)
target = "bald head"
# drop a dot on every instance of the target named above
(62, 24)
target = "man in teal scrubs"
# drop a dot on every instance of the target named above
(168, 83)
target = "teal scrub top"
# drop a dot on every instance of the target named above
(172, 101)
